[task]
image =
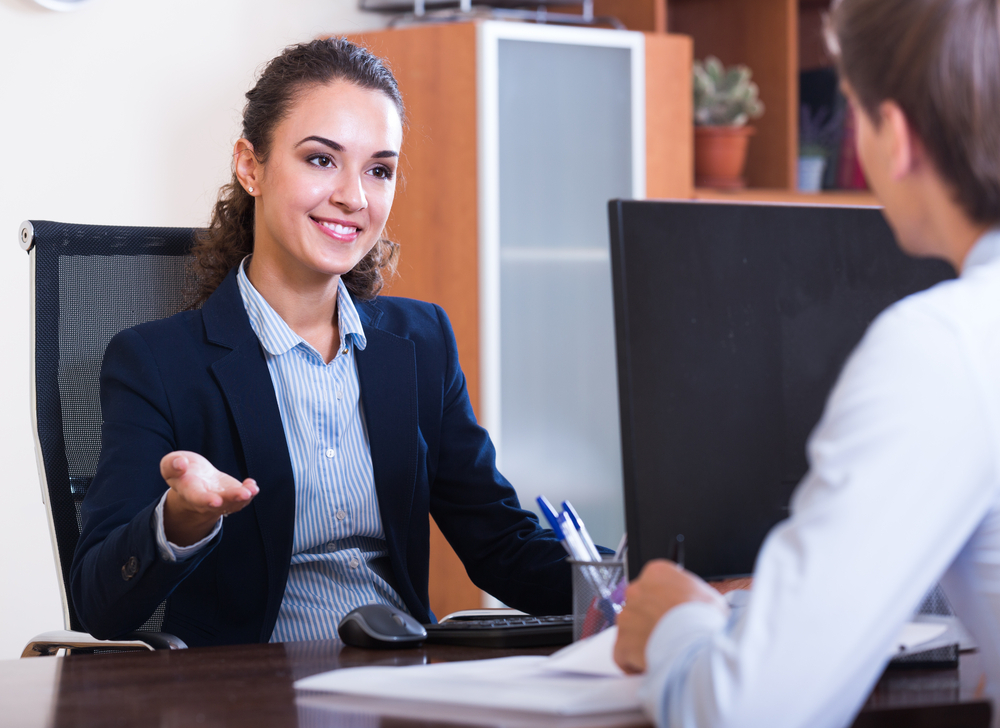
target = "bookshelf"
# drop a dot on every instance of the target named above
(777, 39)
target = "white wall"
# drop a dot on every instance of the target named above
(123, 112)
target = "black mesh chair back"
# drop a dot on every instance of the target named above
(88, 283)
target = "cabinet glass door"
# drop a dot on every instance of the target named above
(564, 147)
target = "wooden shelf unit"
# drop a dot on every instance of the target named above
(776, 39)
(859, 198)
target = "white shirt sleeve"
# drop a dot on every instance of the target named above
(170, 551)
(901, 474)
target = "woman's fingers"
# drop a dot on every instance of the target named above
(204, 488)
(173, 465)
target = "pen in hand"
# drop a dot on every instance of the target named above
(679, 550)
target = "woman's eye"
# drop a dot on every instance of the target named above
(321, 160)
(382, 173)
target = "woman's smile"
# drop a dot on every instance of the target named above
(338, 229)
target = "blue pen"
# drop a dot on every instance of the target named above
(550, 515)
(565, 532)
(581, 529)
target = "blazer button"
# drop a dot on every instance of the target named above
(130, 568)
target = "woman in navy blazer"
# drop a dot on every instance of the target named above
(188, 402)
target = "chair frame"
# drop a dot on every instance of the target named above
(70, 638)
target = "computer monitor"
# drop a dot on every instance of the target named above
(732, 324)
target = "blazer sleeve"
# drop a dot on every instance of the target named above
(504, 549)
(118, 577)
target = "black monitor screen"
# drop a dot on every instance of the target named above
(732, 324)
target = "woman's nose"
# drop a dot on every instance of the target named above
(349, 193)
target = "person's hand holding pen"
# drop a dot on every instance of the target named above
(661, 586)
(199, 495)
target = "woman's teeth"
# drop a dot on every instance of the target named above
(339, 229)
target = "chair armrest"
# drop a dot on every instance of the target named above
(48, 643)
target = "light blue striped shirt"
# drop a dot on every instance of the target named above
(339, 555)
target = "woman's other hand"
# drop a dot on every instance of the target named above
(199, 495)
(661, 586)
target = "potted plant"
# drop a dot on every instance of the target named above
(819, 138)
(725, 99)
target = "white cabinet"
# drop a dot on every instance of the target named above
(561, 130)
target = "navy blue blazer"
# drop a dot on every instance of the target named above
(199, 381)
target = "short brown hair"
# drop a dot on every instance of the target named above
(229, 236)
(940, 61)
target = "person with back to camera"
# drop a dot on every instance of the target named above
(904, 482)
(324, 423)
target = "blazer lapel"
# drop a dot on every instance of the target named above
(246, 384)
(387, 374)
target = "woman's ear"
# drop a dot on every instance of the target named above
(248, 167)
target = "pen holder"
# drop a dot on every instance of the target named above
(598, 595)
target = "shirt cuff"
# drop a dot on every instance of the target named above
(170, 551)
(672, 646)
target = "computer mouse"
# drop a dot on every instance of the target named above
(379, 626)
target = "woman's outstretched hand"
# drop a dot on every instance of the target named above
(199, 495)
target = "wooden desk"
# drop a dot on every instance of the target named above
(251, 685)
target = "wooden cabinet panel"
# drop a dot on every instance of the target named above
(435, 218)
(669, 110)
(645, 15)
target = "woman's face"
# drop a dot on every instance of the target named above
(325, 191)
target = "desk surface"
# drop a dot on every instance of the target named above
(251, 686)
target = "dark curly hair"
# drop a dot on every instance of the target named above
(230, 234)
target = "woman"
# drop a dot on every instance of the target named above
(324, 423)
(904, 481)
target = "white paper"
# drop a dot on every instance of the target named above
(592, 656)
(915, 634)
(511, 683)
(579, 680)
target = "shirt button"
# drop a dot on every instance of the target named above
(341, 515)
(130, 568)
(331, 547)
(354, 563)
(330, 452)
(340, 394)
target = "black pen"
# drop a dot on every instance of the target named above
(679, 550)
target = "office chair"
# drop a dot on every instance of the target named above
(88, 282)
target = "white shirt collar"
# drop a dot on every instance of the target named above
(277, 337)
(986, 250)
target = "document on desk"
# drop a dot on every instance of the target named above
(579, 680)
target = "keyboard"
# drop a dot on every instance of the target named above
(520, 630)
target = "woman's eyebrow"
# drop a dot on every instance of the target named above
(326, 142)
(337, 147)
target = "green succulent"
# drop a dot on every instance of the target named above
(724, 97)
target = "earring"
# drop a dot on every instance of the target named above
(250, 190)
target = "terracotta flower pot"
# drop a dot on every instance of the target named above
(720, 153)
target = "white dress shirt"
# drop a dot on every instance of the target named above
(902, 492)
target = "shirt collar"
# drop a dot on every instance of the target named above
(276, 336)
(986, 250)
